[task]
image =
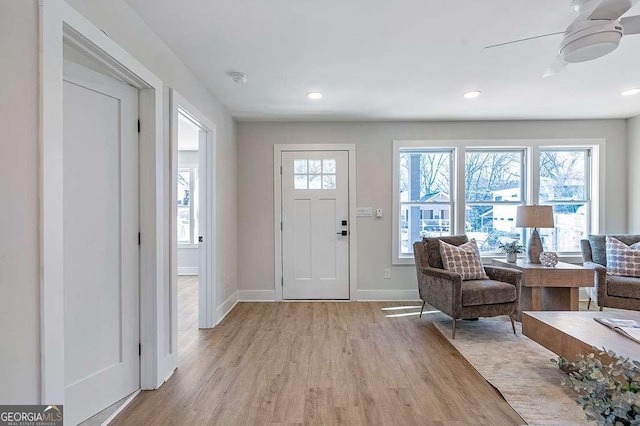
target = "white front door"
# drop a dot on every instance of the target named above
(101, 259)
(315, 228)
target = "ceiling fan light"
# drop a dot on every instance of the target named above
(591, 46)
(631, 92)
(472, 94)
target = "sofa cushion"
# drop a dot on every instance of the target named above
(623, 287)
(432, 247)
(463, 259)
(487, 292)
(623, 259)
(599, 245)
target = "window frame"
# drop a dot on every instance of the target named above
(193, 170)
(531, 178)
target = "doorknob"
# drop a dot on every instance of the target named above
(343, 233)
(200, 239)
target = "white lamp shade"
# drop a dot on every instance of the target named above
(534, 217)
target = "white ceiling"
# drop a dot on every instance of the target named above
(392, 60)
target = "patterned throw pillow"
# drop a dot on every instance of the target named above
(622, 259)
(463, 259)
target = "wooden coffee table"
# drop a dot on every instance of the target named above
(550, 289)
(570, 333)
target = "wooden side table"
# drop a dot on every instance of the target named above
(550, 289)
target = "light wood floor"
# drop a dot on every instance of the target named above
(187, 314)
(322, 363)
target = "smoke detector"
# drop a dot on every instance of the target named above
(239, 77)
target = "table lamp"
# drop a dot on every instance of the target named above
(534, 217)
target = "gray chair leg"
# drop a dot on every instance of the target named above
(513, 324)
(589, 303)
(601, 308)
(453, 335)
(422, 309)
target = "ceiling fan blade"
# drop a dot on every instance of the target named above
(556, 66)
(612, 9)
(631, 25)
(522, 39)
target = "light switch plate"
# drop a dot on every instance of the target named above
(364, 211)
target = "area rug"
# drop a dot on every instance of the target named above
(519, 368)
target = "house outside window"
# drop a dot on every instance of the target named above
(474, 188)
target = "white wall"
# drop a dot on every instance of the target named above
(19, 245)
(374, 164)
(633, 160)
(19, 274)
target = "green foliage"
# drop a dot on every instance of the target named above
(608, 393)
(512, 247)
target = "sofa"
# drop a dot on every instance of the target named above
(610, 291)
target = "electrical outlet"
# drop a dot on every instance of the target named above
(387, 273)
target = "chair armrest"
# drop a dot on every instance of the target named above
(441, 273)
(600, 280)
(442, 290)
(505, 275)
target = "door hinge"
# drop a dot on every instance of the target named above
(139, 238)
(138, 126)
(281, 226)
(139, 349)
(281, 281)
(280, 170)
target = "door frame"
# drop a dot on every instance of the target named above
(278, 149)
(206, 287)
(60, 23)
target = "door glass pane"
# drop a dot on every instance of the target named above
(328, 166)
(300, 166)
(329, 182)
(315, 166)
(300, 182)
(315, 182)
(493, 176)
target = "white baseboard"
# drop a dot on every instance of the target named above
(226, 307)
(187, 270)
(257, 295)
(387, 295)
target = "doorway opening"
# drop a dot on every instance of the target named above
(188, 213)
(193, 242)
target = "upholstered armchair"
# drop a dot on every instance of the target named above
(447, 292)
(610, 291)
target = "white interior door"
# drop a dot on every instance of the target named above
(315, 228)
(101, 258)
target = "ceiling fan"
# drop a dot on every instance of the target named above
(594, 33)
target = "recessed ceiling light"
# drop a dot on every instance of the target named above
(315, 95)
(472, 94)
(631, 92)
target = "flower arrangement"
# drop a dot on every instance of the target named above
(608, 393)
(513, 247)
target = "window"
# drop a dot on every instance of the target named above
(314, 174)
(426, 204)
(564, 184)
(447, 187)
(493, 187)
(187, 205)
